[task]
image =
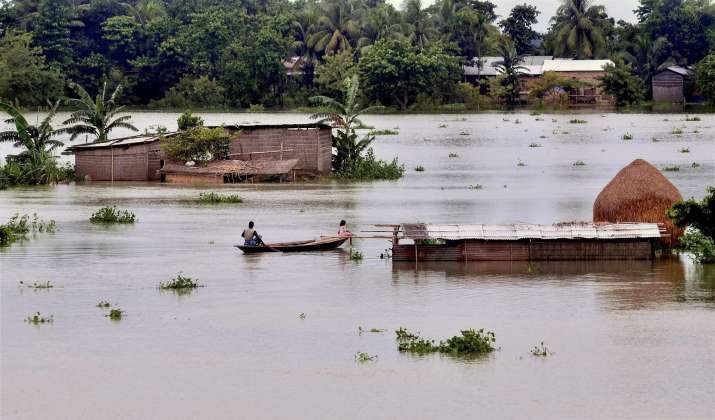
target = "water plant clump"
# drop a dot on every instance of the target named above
(541, 350)
(577, 121)
(38, 318)
(520, 163)
(115, 314)
(534, 144)
(103, 304)
(442, 126)
(35, 285)
(361, 330)
(385, 132)
(453, 155)
(215, 198)
(695, 165)
(685, 150)
(695, 118)
(419, 168)
(476, 187)
(470, 342)
(677, 131)
(355, 255)
(18, 227)
(579, 163)
(403, 334)
(180, 282)
(672, 168)
(362, 357)
(111, 215)
(627, 136)
(302, 315)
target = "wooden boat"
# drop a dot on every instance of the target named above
(322, 244)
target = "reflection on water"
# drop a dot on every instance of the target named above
(632, 338)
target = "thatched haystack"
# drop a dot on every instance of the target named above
(638, 193)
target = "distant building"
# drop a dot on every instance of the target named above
(490, 67)
(669, 84)
(294, 66)
(585, 71)
(256, 150)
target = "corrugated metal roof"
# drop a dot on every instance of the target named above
(575, 65)
(122, 142)
(679, 70)
(240, 126)
(526, 231)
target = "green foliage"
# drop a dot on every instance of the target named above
(38, 318)
(541, 350)
(111, 215)
(627, 136)
(369, 168)
(677, 131)
(453, 155)
(362, 357)
(103, 304)
(577, 121)
(215, 198)
(180, 283)
(395, 72)
(97, 117)
(579, 30)
(697, 214)
(469, 95)
(188, 120)
(115, 314)
(699, 245)
(671, 168)
(355, 255)
(510, 70)
(471, 342)
(705, 74)
(19, 227)
(620, 82)
(385, 132)
(334, 70)
(198, 144)
(198, 92)
(35, 285)
(518, 27)
(579, 163)
(25, 78)
(419, 168)
(476, 187)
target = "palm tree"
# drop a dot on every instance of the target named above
(36, 164)
(336, 29)
(345, 118)
(379, 23)
(479, 26)
(647, 56)
(510, 70)
(578, 29)
(96, 117)
(422, 28)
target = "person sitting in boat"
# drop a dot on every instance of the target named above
(343, 230)
(250, 236)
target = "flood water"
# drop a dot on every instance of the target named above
(630, 339)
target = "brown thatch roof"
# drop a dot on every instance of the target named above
(638, 193)
(233, 167)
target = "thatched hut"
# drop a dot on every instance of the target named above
(638, 193)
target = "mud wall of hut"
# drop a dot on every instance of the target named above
(523, 250)
(312, 146)
(132, 163)
(668, 87)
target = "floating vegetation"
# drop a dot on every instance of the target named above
(453, 155)
(442, 126)
(385, 132)
(36, 285)
(471, 342)
(695, 118)
(180, 283)
(542, 136)
(103, 304)
(302, 315)
(534, 144)
(538, 119)
(685, 150)
(695, 131)
(505, 119)
(516, 121)
(215, 198)
(355, 255)
(695, 165)
(577, 121)
(535, 113)
(677, 131)
(38, 318)
(672, 168)
(553, 120)
(579, 163)
(18, 227)
(476, 187)
(110, 215)
(654, 140)
(464, 133)
(520, 163)
(362, 357)
(564, 132)
(419, 168)
(627, 136)
(115, 314)
(361, 330)
(541, 350)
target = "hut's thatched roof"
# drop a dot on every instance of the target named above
(638, 193)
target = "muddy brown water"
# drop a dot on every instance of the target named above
(630, 339)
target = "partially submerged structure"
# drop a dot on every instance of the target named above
(521, 242)
(669, 84)
(639, 193)
(282, 151)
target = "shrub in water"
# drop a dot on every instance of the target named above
(115, 314)
(370, 168)
(108, 215)
(180, 282)
(627, 136)
(700, 246)
(470, 342)
(37, 318)
(419, 168)
(18, 227)
(541, 350)
(214, 198)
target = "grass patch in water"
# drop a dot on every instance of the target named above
(115, 314)
(470, 342)
(534, 144)
(362, 357)
(627, 136)
(361, 330)
(419, 168)
(520, 163)
(180, 283)
(111, 215)
(579, 163)
(476, 187)
(685, 150)
(38, 318)
(687, 118)
(103, 304)
(695, 165)
(442, 126)
(677, 131)
(18, 227)
(385, 132)
(577, 121)
(672, 168)
(541, 350)
(453, 155)
(215, 198)
(355, 255)
(36, 285)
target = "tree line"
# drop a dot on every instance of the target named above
(230, 53)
